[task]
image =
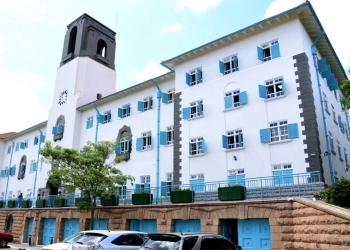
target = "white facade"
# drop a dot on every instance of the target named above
(292, 109)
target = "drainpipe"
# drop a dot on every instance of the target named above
(8, 170)
(37, 162)
(97, 118)
(314, 56)
(159, 96)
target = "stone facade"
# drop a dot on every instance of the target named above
(296, 224)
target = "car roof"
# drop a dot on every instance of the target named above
(111, 232)
(177, 236)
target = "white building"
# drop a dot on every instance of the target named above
(248, 105)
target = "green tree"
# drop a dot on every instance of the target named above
(87, 170)
(345, 101)
(338, 193)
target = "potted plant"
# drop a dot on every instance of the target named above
(232, 192)
(11, 203)
(79, 200)
(179, 195)
(25, 203)
(112, 200)
(142, 197)
(40, 202)
(60, 201)
(1, 203)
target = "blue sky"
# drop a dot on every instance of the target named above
(148, 32)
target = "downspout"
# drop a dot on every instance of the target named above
(37, 161)
(97, 118)
(314, 56)
(8, 170)
(159, 96)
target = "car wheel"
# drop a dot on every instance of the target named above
(3, 243)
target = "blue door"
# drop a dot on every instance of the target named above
(101, 224)
(135, 225)
(254, 234)
(71, 226)
(49, 231)
(147, 226)
(29, 229)
(187, 226)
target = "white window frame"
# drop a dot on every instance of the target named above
(170, 135)
(194, 111)
(171, 93)
(125, 110)
(233, 140)
(7, 171)
(124, 141)
(145, 179)
(279, 131)
(235, 97)
(274, 88)
(146, 101)
(230, 65)
(169, 183)
(196, 145)
(266, 47)
(193, 77)
(146, 140)
(105, 117)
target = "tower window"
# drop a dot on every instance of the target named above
(102, 48)
(72, 40)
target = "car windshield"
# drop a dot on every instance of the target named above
(90, 239)
(161, 245)
(73, 238)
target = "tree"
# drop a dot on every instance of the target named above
(86, 170)
(338, 193)
(345, 101)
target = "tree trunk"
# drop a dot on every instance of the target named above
(92, 213)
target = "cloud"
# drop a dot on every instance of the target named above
(172, 28)
(196, 6)
(149, 71)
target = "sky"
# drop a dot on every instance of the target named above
(148, 32)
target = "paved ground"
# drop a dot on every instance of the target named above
(17, 246)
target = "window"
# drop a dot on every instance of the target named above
(339, 151)
(17, 146)
(272, 88)
(197, 183)
(195, 110)
(194, 77)
(340, 123)
(13, 170)
(145, 179)
(36, 140)
(145, 142)
(279, 131)
(33, 166)
(123, 146)
(9, 149)
(334, 117)
(6, 173)
(166, 186)
(145, 184)
(171, 95)
(29, 193)
(56, 130)
(89, 122)
(236, 176)
(124, 111)
(268, 51)
(107, 116)
(167, 137)
(345, 156)
(325, 103)
(24, 144)
(331, 143)
(232, 139)
(228, 65)
(197, 146)
(122, 192)
(335, 95)
(235, 99)
(282, 174)
(146, 104)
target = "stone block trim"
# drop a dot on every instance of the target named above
(308, 113)
(177, 139)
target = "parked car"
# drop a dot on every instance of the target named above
(5, 238)
(110, 240)
(188, 241)
(66, 243)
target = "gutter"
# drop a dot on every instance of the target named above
(8, 170)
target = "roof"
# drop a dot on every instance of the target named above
(307, 17)
(30, 129)
(4, 135)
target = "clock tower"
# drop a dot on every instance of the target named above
(86, 72)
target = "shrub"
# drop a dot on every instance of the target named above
(337, 194)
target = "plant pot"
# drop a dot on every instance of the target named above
(78, 200)
(40, 203)
(59, 203)
(182, 196)
(11, 203)
(1, 204)
(142, 198)
(25, 203)
(231, 193)
(111, 201)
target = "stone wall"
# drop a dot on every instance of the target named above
(297, 224)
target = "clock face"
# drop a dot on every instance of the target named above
(63, 97)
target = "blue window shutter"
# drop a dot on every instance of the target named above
(277, 178)
(293, 130)
(128, 110)
(235, 60)
(188, 79)
(262, 91)
(193, 184)
(137, 188)
(283, 86)
(117, 148)
(34, 166)
(2, 173)
(287, 176)
(11, 170)
(224, 141)
(200, 108)
(140, 106)
(138, 144)
(87, 124)
(265, 135)
(109, 116)
(127, 147)
(120, 112)
(162, 139)
(165, 98)
(232, 179)
(240, 138)
(260, 53)
(228, 102)
(59, 129)
(243, 98)
(22, 145)
(221, 67)
(275, 51)
(339, 121)
(199, 75)
(14, 170)
(163, 188)
(150, 103)
(186, 113)
(203, 146)
(9, 150)
(42, 138)
(147, 186)
(241, 179)
(54, 130)
(322, 65)
(327, 71)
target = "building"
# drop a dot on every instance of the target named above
(262, 103)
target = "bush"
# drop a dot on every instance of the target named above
(338, 193)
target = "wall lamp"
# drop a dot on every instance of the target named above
(235, 158)
(325, 153)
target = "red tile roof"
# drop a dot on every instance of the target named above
(2, 136)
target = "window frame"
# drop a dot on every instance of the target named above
(269, 50)
(107, 116)
(194, 77)
(237, 136)
(197, 146)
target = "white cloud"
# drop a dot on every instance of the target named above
(196, 6)
(172, 28)
(149, 71)
(333, 16)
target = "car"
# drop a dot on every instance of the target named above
(110, 240)
(66, 243)
(5, 238)
(188, 241)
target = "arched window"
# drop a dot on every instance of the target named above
(102, 48)
(72, 40)
(8, 223)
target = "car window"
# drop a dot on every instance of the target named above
(217, 243)
(73, 238)
(131, 240)
(189, 242)
(89, 239)
(161, 245)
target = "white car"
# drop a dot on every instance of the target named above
(66, 243)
